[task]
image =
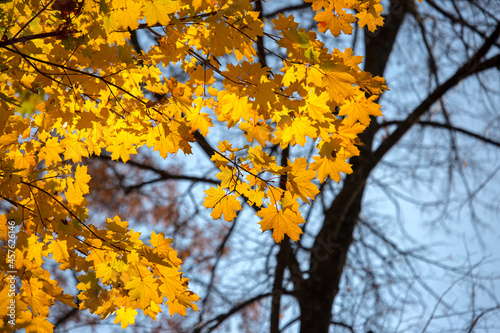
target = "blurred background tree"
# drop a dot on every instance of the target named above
(407, 243)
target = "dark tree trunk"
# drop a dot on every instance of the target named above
(329, 253)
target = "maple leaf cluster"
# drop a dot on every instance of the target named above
(71, 86)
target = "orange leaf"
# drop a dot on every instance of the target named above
(222, 203)
(158, 10)
(297, 132)
(50, 152)
(330, 167)
(282, 222)
(128, 15)
(59, 250)
(360, 109)
(74, 148)
(37, 298)
(335, 22)
(125, 317)
(78, 187)
(227, 177)
(300, 180)
(144, 290)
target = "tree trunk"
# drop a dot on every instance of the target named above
(329, 252)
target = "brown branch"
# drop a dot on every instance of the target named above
(31, 19)
(288, 9)
(77, 71)
(452, 18)
(67, 315)
(218, 256)
(86, 226)
(261, 50)
(163, 175)
(24, 39)
(200, 139)
(472, 66)
(483, 313)
(448, 127)
(221, 318)
(281, 260)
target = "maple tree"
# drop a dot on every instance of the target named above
(72, 87)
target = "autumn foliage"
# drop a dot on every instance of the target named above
(72, 86)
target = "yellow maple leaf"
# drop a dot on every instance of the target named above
(160, 243)
(50, 152)
(254, 197)
(320, 4)
(143, 290)
(59, 250)
(198, 120)
(74, 148)
(125, 317)
(299, 180)
(105, 271)
(67, 299)
(261, 159)
(26, 162)
(122, 146)
(332, 167)
(282, 222)
(78, 187)
(82, 178)
(158, 11)
(34, 250)
(295, 72)
(171, 282)
(152, 310)
(116, 224)
(335, 22)
(370, 14)
(7, 139)
(233, 109)
(181, 302)
(162, 246)
(33, 324)
(227, 177)
(259, 131)
(222, 203)
(337, 81)
(128, 15)
(296, 133)
(4, 227)
(360, 109)
(316, 106)
(349, 131)
(36, 297)
(289, 201)
(174, 306)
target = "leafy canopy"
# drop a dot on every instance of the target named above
(71, 86)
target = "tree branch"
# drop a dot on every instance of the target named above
(261, 50)
(24, 39)
(220, 251)
(221, 318)
(200, 139)
(483, 313)
(282, 260)
(288, 9)
(448, 127)
(163, 174)
(470, 67)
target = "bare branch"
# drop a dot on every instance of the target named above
(447, 127)
(469, 68)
